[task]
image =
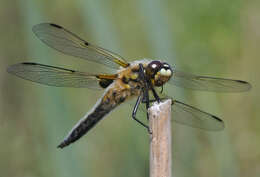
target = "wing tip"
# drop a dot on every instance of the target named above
(221, 125)
(247, 85)
(11, 69)
(55, 25)
(36, 27)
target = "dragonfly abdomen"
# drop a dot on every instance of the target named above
(103, 107)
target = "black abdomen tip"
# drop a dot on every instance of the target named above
(63, 144)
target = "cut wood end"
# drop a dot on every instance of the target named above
(157, 107)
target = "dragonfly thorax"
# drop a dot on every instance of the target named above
(158, 72)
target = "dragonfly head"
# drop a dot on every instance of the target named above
(159, 72)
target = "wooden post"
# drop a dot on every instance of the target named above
(160, 139)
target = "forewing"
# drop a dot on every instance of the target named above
(188, 115)
(66, 42)
(190, 81)
(54, 76)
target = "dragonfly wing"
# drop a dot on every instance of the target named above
(68, 43)
(188, 115)
(190, 81)
(55, 76)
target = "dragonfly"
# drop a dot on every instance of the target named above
(138, 79)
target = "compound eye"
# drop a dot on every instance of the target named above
(166, 66)
(165, 72)
(155, 65)
(168, 72)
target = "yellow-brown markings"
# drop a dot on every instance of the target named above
(121, 63)
(120, 90)
(134, 76)
(118, 94)
(107, 76)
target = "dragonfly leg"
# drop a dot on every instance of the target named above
(138, 101)
(161, 89)
(145, 91)
(157, 98)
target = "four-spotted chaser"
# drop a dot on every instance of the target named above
(135, 79)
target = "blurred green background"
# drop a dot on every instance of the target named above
(207, 37)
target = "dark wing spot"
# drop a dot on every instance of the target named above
(29, 63)
(86, 43)
(54, 25)
(244, 82)
(104, 83)
(215, 117)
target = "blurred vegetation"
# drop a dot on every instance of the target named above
(216, 38)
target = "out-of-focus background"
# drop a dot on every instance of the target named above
(214, 38)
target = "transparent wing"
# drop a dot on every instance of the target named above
(190, 81)
(66, 42)
(188, 115)
(54, 76)
(191, 116)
